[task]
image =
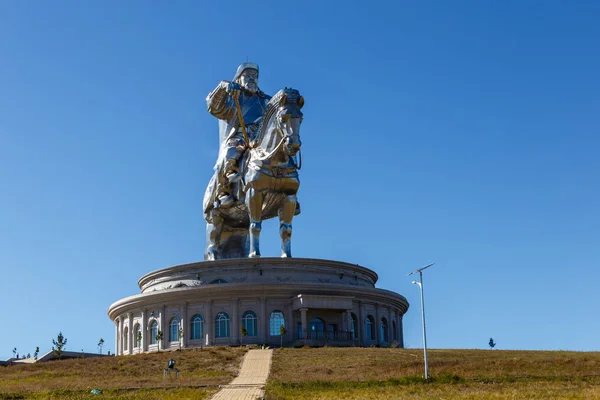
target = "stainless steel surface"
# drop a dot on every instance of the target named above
(256, 174)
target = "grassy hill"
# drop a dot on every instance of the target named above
(372, 373)
(130, 377)
(324, 373)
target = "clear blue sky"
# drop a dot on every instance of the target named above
(464, 133)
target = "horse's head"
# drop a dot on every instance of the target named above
(289, 118)
(279, 133)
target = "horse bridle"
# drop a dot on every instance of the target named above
(284, 136)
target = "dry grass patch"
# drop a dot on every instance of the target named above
(74, 377)
(365, 364)
(357, 373)
(463, 391)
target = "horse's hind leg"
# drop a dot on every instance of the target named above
(286, 213)
(214, 231)
(254, 200)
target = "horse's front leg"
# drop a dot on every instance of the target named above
(254, 200)
(286, 213)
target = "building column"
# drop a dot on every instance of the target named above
(378, 324)
(235, 323)
(129, 333)
(144, 331)
(349, 325)
(116, 336)
(124, 336)
(361, 325)
(304, 323)
(184, 324)
(397, 336)
(289, 323)
(390, 331)
(392, 324)
(400, 332)
(121, 325)
(263, 320)
(121, 335)
(162, 324)
(208, 323)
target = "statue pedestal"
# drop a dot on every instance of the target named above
(319, 302)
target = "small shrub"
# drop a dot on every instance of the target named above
(449, 378)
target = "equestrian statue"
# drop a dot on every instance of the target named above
(256, 173)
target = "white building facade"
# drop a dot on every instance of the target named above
(294, 301)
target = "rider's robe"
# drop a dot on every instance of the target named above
(220, 104)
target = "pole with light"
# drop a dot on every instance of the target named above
(420, 283)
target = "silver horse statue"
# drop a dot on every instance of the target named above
(268, 188)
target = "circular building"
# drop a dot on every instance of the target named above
(293, 301)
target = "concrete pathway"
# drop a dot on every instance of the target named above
(251, 380)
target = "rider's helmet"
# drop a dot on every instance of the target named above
(243, 67)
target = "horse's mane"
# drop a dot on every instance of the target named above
(292, 95)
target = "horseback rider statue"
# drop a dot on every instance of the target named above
(221, 103)
(256, 173)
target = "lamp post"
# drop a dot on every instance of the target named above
(420, 283)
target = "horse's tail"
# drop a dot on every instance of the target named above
(210, 195)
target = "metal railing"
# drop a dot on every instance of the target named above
(326, 336)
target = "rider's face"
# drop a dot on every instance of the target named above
(249, 80)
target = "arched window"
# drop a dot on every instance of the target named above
(249, 322)
(174, 329)
(394, 333)
(137, 338)
(197, 327)
(276, 322)
(369, 328)
(125, 337)
(317, 328)
(153, 332)
(354, 326)
(219, 281)
(222, 325)
(384, 337)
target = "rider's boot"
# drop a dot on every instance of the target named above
(297, 211)
(232, 172)
(224, 197)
